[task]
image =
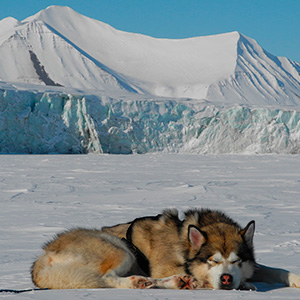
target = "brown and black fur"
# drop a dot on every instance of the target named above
(216, 226)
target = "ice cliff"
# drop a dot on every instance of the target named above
(37, 122)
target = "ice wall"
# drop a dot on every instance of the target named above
(32, 122)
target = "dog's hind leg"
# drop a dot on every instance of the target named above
(273, 275)
(116, 270)
(54, 271)
(87, 259)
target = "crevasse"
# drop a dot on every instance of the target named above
(34, 122)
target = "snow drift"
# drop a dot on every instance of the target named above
(63, 123)
(58, 46)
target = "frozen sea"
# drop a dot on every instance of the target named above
(41, 195)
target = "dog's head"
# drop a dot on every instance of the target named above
(220, 255)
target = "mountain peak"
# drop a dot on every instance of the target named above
(9, 20)
(8, 23)
(52, 11)
(80, 52)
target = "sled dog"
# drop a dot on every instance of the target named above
(206, 249)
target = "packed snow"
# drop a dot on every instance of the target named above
(43, 195)
(59, 46)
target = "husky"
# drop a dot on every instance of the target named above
(206, 249)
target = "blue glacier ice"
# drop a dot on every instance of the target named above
(54, 122)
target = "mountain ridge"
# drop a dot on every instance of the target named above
(79, 52)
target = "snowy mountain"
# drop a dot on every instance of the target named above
(60, 47)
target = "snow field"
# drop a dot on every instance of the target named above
(43, 195)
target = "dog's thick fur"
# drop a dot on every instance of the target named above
(205, 250)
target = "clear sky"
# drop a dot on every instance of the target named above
(274, 24)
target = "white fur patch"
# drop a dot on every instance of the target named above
(233, 258)
(222, 266)
(217, 258)
(294, 280)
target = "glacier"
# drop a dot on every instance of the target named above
(56, 122)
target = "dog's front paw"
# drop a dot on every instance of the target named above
(178, 282)
(185, 282)
(140, 282)
(294, 280)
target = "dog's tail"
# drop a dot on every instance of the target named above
(273, 275)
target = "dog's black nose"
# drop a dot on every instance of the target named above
(226, 282)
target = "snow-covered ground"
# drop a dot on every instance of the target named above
(43, 195)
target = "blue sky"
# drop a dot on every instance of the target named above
(274, 24)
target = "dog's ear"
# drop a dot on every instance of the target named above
(196, 237)
(248, 232)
